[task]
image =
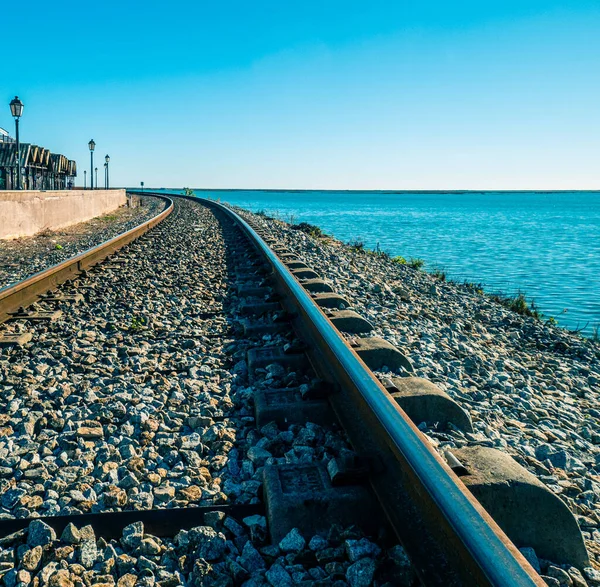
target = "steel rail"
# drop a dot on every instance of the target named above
(24, 293)
(158, 522)
(451, 539)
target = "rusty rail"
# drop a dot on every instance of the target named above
(26, 292)
(451, 539)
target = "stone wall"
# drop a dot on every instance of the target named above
(24, 213)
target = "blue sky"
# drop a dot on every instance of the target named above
(327, 94)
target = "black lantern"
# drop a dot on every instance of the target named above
(92, 146)
(106, 159)
(16, 109)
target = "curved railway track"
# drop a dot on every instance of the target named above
(450, 538)
(27, 291)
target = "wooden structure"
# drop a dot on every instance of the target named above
(40, 169)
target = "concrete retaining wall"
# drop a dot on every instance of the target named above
(24, 213)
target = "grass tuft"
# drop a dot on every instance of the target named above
(474, 287)
(310, 229)
(518, 304)
(356, 245)
(137, 323)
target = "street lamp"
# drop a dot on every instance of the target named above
(84, 178)
(92, 146)
(106, 176)
(16, 109)
(106, 160)
(96, 170)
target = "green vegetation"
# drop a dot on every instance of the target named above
(356, 245)
(416, 263)
(474, 287)
(518, 304)
(137, 323)
(310, 229)
(188, 192)
(439, 274)
(110, 217)
(58, 247)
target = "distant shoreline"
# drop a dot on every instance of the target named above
(294, 191)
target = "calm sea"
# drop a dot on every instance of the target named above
(546, 245)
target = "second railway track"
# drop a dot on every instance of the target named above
(140, 400)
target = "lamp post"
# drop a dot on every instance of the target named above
(96, 170)
(84, 179)
(105, 176)
(106, 161)
(92, 146)
(16, 109)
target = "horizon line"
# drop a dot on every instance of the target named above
(383, 191)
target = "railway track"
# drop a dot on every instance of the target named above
(201, 367)
(29, 290)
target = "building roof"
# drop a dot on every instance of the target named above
(37, 157)
(8, 154)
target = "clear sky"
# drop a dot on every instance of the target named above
(313, 93)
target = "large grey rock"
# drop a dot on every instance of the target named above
(277, 576)
(251, 559)
(293, 542)
(211, 545)
(71, 534)
(40, 534)
(133, 535)
(357, 549)
(360, 574)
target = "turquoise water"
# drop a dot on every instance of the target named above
(546, 245)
